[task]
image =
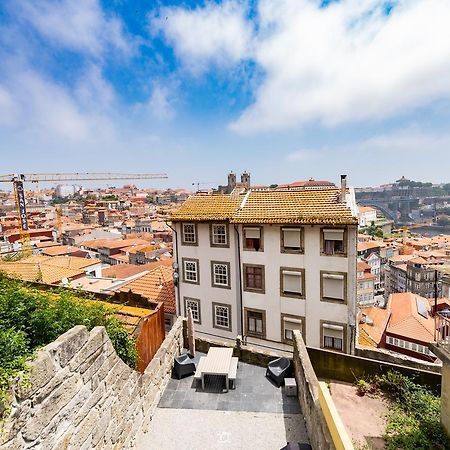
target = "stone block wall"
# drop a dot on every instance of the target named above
(81, 395)
(308, 396)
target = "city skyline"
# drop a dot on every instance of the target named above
(197, 89)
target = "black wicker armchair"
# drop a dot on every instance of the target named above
(183, 365)
(276, 370)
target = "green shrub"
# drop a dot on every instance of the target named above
(31, 318)
(414, 420)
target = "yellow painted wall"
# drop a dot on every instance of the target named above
(445, 398)
(337, 429)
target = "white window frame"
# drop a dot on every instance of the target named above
(218, 316)
(219, 277)
(215, 234)
(188, 273)
(192, 240)
(196, 313)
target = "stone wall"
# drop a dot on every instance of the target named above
(308, 396)
(383, 355)
(349, 368)
(81, 395)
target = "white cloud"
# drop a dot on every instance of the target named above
(216, 33)
(160, 103)
(303, 155)
(44, 108)
(347, 62)
(78, 25)
(412, 142)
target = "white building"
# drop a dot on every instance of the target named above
(262, 263)
(366, 215)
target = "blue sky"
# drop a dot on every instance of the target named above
(287, 90)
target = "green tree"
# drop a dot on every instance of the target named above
(374, 230)
(443, 221)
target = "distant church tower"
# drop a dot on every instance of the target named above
(231, 181)
(245, 180)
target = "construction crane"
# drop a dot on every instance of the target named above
(204, 183)
(18, 179)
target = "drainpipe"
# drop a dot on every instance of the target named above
(178, 280)
(241, 310)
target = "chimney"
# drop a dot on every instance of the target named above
(343, 188)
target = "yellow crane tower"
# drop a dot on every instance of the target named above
(19, 179)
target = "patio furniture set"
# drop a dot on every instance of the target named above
(220, 362)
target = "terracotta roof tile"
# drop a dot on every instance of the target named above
(405, 319)
(320, 206)
(157, 286)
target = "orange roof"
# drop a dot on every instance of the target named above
(157, 286)
(401, 258)
(362, 246)
(405, 319)
(364, 209)
(373, 329)
(128, 270)
(60, 250)
(361, 266)
(121, 243)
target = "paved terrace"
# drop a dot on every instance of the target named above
(256, 414)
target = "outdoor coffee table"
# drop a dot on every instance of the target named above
(217, 362)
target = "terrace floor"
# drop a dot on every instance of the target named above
(256, 414)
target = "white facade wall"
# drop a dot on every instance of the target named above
(272, 302)
(204, 291)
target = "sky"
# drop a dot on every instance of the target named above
(286, 89)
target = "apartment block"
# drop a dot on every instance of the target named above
(262, 263)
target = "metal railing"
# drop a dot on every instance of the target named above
(443, 332)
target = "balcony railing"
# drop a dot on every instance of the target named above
(443, 332)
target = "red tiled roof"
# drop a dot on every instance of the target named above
(157, 286)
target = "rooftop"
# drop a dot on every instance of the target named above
(315, 206)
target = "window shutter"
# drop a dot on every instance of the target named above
(292, 282)
(335, 331)
(291, 323)
(252, 233)
(291, 238)
(333, 286)
(333, 235)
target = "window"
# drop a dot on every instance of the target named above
(194, 305)
(222, 316)
(220, 274)
(333, 242)
(219, 235)
(292, 282)
(288, 325)
(333, 286)
(333, 336)
(292, 240)
(253, 239)
(189, 234)
(190, 271)
(255, 322)
(253, 278)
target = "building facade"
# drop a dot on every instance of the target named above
(260, 264)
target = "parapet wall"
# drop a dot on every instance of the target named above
(81, 395)
(308, 396)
